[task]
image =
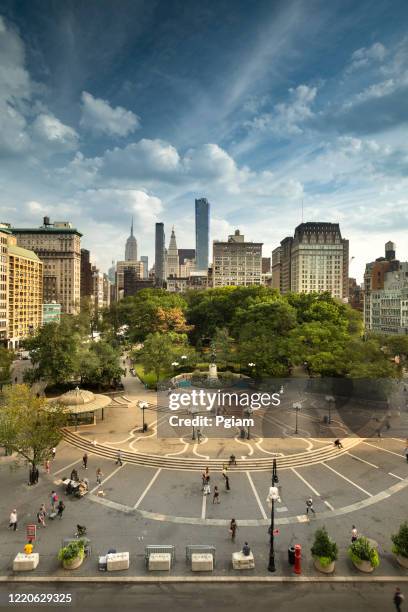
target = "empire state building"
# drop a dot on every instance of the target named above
(131, 246)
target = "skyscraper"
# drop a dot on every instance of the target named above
(202, 231)
(131, 246)
(172, 257)
(160, 255)
(145, 260)
(237, 262)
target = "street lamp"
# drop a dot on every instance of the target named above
(249, 412)
(329, 400)
(273, 496)
(297, 406)
(193, 410)
(143, 406)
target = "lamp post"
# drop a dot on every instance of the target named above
(193, 410)
(249, 412)
(297, 406)
(329, 400)
(273, 496)
(252, 365)
(143, 406)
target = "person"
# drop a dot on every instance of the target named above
(85, 461)
(47, 466)
(246, 549)
(53, 453)
(60, 508)
(338, 444)
(54, 499)
(398, 599)
(224, 471)
(227, 484)
(232, 460)
(406, 453)
(207, 488)
(99, 476)
(74, 475)
(13, 521)
(28, 548)
(118, 458)
(233, 529)
(198, 435)
(43, 509)
(41, 518)
(354, 534)
(216, 496)
(81, 530)
(204, 479)
(309, 506)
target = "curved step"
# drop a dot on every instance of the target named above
(296, 460)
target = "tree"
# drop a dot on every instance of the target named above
(98, 364)
(158, 353)
(6, 360)
(29, 425)
(224, 346)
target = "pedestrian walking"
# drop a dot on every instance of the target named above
(13, 520)
(53, 453)
(41, 518)
(43, 509)
(47, 466)
(354, 534)
(227, 484)
(60, 508)
(216, 496)
(85, 461)
(233, 529)
(309, 506)
(54, 500)
(224, 471)
(118, 458)
(204, 479)
(398, 599)
(406, 453)
(99, 476)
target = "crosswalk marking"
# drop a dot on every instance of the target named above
(107, 478)
(328, 505)
(363, 460)
(305, 481)
(347, 479)
(139, 501)
(255, 492)
(384, 450)
(395, 476)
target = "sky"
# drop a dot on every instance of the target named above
(112, 109)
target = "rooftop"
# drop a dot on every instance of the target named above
(20, 252)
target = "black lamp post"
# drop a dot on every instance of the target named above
(143, 406)
(272, 497)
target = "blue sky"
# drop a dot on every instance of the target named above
(111, 109)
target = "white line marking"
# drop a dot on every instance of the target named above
(251, 450)
(67, 466)
(395, 476)
(347, 479)
(107, 478)
(385, 450)
(305, 481)
(204, 507)
(255, 492)
(362, 460)
(139, 501)
(180, 452)
(328, 505)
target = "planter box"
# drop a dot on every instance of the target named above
(328, 569)
(159, 561)
(117, 561)
(25, 563)
(243, 562)
(403, 561)
(74, 563)
(202, 562)
(364, 566)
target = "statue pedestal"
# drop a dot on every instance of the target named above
(212, 372)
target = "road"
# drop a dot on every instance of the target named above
(161, 597)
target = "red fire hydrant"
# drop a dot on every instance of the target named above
(298, 557)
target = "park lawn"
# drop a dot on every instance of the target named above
(149, 378)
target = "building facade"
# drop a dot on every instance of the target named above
(133, 283)
(237, 262)
(121, 266)
(58, 245)
(202, 232)
(172, 260)
(4, 235)
(131, 246)
(86, 274)
(51, 313)
(160, 256)
(145, 260)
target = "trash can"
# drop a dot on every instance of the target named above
(291, 555)
(242, 434)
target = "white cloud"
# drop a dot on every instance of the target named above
(367, 55)
(56, 135)
(287, 118)
(13, 136)
(99, 116)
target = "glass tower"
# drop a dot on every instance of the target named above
(202, 229)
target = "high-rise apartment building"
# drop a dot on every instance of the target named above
(160, 256)
(4, 234)
(131, 246)
(314, 260)
(202, 232)
(25, 293)
(237, 262)
(86, 274)
(121, 266)
(58, 245)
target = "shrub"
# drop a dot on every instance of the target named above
(72, 551)
(400, 541)
(324, 548)
(361, 550)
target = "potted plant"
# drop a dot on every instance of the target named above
(400, 545)
(364, 555)
(72, 555)
(324, 551)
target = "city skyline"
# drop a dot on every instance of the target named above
(308, 106)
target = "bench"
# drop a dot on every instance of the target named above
(117, 561)
(243, 562)
(24, 563)
(153, 549)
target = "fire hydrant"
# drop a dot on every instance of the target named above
(298, 557)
